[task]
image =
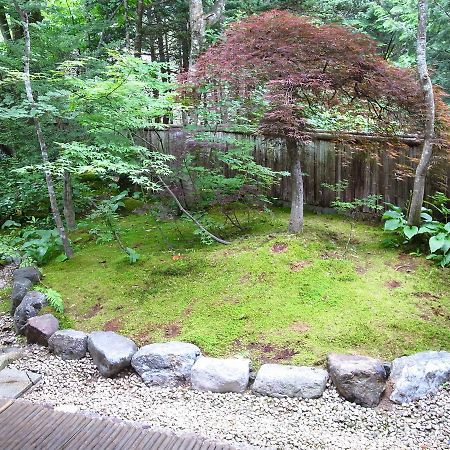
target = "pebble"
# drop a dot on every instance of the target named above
(242, 420)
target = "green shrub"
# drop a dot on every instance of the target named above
(431, 235)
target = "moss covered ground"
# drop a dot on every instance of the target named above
(268, 295)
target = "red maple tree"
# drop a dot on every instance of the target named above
(300, 65)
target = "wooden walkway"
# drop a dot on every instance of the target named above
(26, 426)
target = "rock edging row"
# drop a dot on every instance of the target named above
(359, 379)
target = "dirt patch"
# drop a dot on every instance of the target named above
(426, 295)
(296, 266)
(268, 353)
(244, 279)
(113, 325)
(393, 284)
(300, 327)
(361, 270)
(279, 247)
(188, 310)
(385, 403)
(405, 263)
(172, 330)
(262, 277)
(330, 255)
(93, 311)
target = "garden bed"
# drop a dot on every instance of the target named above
(270, 296)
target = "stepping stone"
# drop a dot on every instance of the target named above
(278, 380)
(68, 344)
(166, 364)
(220, 375)
(110, 351)
(14, 383)
(40, 328)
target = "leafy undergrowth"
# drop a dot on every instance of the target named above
(270, 296)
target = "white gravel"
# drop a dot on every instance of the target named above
(240, 419)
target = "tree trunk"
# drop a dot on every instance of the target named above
(48, 176)
(296, 219)
(127, 30)
(69, 210)
(138, 37)
(198, 21)
(427, 89)
(4, 26)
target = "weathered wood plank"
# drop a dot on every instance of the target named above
(368, 172)
(26, 426)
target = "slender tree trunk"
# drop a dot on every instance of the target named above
(4, 26)
(296, 219)
(427, 89)
(199, 21)
(127, 30)
(69, 210)
(138, 37)
(197, 26)
(48, 176)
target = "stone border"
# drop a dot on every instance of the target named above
(359, 379)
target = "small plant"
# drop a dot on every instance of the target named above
(54, 298)
(349, 209)
(431, 233)
(106, 212)
(440, 203)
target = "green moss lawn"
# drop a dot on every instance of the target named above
(269, 295)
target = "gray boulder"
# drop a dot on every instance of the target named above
(110, 351)
(20, 288)
(166, 364)
(39, 329)
(419, 375)
(359, 379)
(276, 380)
(68, 344)
(220, 375)
(32, 273)
(29, 307)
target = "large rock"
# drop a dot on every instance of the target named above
(166, 364)
(39, 329)
(19, 290)
(69, 344)
(419, 375)
(220, 375)
(110, 351)
(31, 273)
(278, 380)
(359, 379)
(29, 307)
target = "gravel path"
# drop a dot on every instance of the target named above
(243, 420)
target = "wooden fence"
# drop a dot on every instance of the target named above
(386, 168)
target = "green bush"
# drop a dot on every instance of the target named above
(431, 235)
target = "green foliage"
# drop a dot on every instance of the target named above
(435, 233)
(41, 246)
(230, 175)
(105, 216)
(371, 202)
(31, 246)
(54, 298)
